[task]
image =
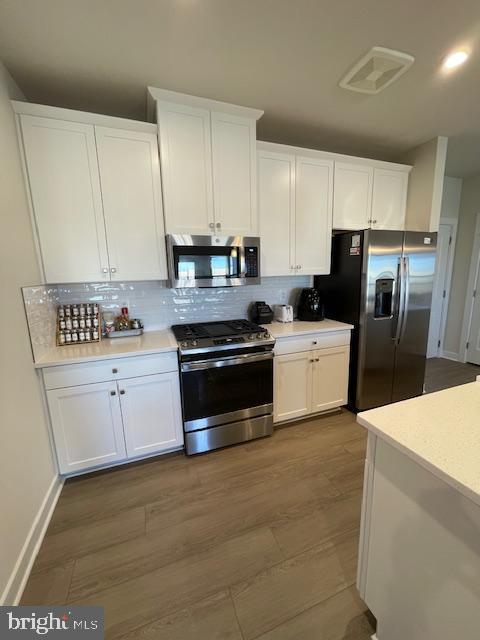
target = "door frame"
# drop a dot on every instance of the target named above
(472, 285)
(453, 222)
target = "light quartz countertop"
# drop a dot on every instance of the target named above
(149, 342)
(301, 327)
(440, 431)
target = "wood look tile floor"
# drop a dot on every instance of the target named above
(441, 373)
(254, 541)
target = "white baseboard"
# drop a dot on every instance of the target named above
(451, 355)
(21, 571)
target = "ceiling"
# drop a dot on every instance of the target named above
(283, 56)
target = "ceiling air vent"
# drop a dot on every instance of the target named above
(376, 70)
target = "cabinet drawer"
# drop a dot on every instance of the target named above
(104, 370)
(296, 344)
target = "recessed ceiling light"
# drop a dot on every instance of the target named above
(455, 59)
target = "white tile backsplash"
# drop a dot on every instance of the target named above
(159, 307)
(153, 302)
(41, 310)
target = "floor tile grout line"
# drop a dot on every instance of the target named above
(299, 613)
(236, 613)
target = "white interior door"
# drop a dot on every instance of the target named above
(313, 215)
(473, 350)
(441, 283)
(234, 174)
(132, 202)
(151, 413)
(292, 386)
(276, 204)
(62, 168)
(186, 160)
(87, 425)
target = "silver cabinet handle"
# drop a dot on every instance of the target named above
(299, 266)
(113, 393)
(211, 225)
(113, 270)
(292, 266)
(122, 392)
(312, 360)
(114, 370)
(374, 222)
(317, 359)
(104, 270)
(218, 225)
(314, 342)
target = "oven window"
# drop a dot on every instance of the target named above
(211, 392)
(206, 262)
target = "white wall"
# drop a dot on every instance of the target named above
(452, 193)
(469, 207)
(425, 184)
(27, 471)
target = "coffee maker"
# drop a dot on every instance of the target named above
(310, 305)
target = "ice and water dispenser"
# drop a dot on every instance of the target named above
(384, 298)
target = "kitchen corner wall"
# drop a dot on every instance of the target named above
(153, 302)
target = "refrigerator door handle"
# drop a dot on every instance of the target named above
(399, 301)
(406, 296)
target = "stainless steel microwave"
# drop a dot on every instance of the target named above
(212, 261)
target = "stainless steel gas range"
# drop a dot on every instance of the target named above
(227, 383)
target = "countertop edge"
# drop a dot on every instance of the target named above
(105, 356)
(423, 462)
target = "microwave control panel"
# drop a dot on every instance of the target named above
(251, 262)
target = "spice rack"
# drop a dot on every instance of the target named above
(78, 323)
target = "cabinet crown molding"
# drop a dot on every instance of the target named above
(330, 155)
(84, 117)
(154, 94)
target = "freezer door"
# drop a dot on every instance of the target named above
(378, 317)
(419, 251)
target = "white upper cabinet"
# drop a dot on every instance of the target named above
(186, 159)
(366, 196)
(234, 174)
(389, 199)
(208, 164)
(276, 205)
(313, 215)
(295, 194)
(132, 203)
(352, 201)
(95, 195)
(61, 162)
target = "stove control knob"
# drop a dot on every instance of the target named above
(260, 335)
(184, 344)
(267, 335)
(194, 343)
(251, 336)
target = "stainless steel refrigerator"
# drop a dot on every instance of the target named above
(381, 282)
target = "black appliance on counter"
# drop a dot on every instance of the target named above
(226, 373)
(261, 313)
(310, 305)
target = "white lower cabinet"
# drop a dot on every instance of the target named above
(151, 413)
(292, 386)
(310, 382)
(87, 425)
(106, 422)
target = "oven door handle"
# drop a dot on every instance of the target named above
(246, 358)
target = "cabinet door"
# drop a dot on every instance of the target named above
(151, 413)
(276, 205)
(132, 202)
(352, 196)
(87, 426)
(313, 215)
(389, 199)
(61, 161)
(292, 390)
(330, 378)
(186, 163)
(234, 174)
